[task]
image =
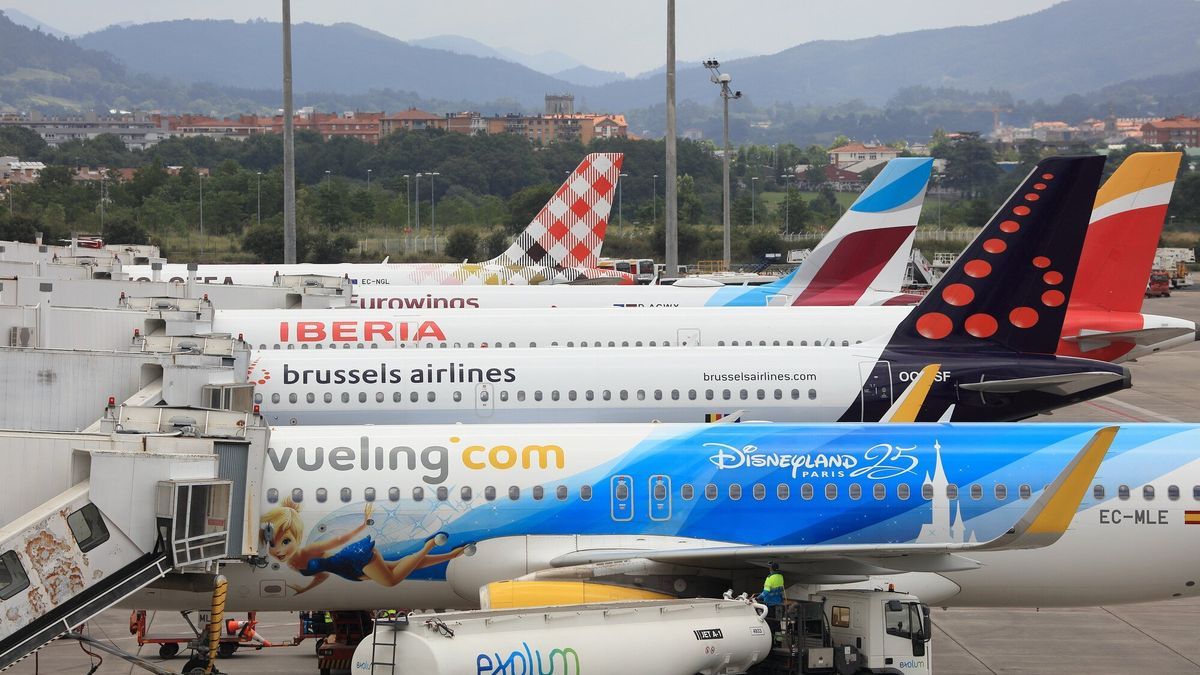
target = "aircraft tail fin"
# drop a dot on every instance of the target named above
(870, 245)
(1011, 285)
(569, 230)
(1127, 221)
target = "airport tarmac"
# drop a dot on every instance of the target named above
(1156, 638)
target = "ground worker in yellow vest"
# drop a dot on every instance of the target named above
(772, 593)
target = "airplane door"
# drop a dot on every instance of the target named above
(485, 400)
(622, 498)
(689, 337)
(660, 497)
(876, 388)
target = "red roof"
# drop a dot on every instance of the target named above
(1177, 122)
(413, 114)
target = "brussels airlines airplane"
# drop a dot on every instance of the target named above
(561, 245)
(860, 261)
(423, 516)
(994, 328)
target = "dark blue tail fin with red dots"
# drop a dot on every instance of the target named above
(1011, 285)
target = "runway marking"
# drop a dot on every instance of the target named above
(1151, 637)
(1143, 411)
(1118, 413)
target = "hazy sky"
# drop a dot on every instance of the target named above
(624, 35)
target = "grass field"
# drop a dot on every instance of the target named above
(774, 199)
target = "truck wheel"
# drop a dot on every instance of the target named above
(320, 643)
(226, 649)
(168, 650)
(194, 666)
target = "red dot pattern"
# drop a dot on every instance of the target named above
(1009, 226)
(1039, 186)
(995, 246)
(1032, 197)
(1023, 317)
(934, 325)
(1053, 278)
(981, 325)
(1041, 262)
(1022, 210)
(978, 268)
(958, 295)
(1053, 298)
(1047, 176)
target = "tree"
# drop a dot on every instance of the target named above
(970, 165)
(760, 244)
(124, 230)
(793, 212)
(526, 203)
(265, 241)
(739, 210)
(462, 244)
(21, 142)
(324, 246)
(496, 243)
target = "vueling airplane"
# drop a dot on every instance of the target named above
(860, 261)
(994, 328)
(424, 516)
(561, 245)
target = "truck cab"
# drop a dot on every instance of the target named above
(851, 632)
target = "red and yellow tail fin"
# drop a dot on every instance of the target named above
(1122, 238)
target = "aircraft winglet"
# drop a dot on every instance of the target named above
(907, 407)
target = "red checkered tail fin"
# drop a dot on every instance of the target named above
(569, 230)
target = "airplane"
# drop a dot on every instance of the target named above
(992, 371)
(860, 261)
(561, 245)
(424, 516)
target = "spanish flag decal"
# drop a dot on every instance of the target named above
(1191, 517)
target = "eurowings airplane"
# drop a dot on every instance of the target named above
(561, 245)
(424, 516)
(860, 261)
(994, 328)
(1107, 324)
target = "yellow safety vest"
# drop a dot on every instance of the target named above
(773, 582)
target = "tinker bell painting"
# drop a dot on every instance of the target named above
(343, 544)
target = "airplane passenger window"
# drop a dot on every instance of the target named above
(322, 495)
(345, 495)
(489, 493)
(927, 492)
(504, 395)
(744, 394)
(570, 343)
(812, 394)
(879, 491)
(432, 396)
(806, 491)
(1098, 492)
(1123, 492)
(1173, 492)
(589, 395)
(625, 343)
(778, 394)
(1148, 493)
(653, 343)
(783, 492)
(952, 491)
(292, 398)
(606, 395)
(259, 399)
(638, 343)
(775, 343)
(691, 394)
(311, 397)
(1001, 492)
(674, 394)
(855, 491)
(795, 394)
(759, 491)
(735, 343)
(735, 492)
(511, 344)
(804, 343)
(710, 492)
(790, 343)
(1024, 491)
(379, 397)
(831, 491)
(297, 495)
(538, 492)
(272, 496)
(720, 343)
(362, 397)
(686, 492)
(709, 394)
(845, 343)
(465, 493)
(457, 397)
(369, 494)
(418, 494)
(443, 493)
(345, 397)
(560, 493)
(553, 394)
(762, 394)
(641, 394)
(514, 493)
(726, 394)
(658, 394)
(571, 395)
(976, 491)
(414, 397)
(612, 343)
(902, 491)
(624, 395)
(396, 397)
(394, 494)
(520, 394)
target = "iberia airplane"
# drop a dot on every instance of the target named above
(561, 245)
(994, 327)
(1120, 243)
(426, 516)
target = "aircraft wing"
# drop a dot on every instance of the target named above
(1095, 339)
(1062, 385)
(1041, 525)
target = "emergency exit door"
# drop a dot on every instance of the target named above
(660, 497)
(876, 395)
(621, 488)
(485, 400)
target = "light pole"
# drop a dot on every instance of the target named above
(753, 179)
(368, 180)
(433, 209)
(104, 190)
(258, 179)
(289, 143)
(327, 174)
(417, 204)
(723, 80)
(201, 215)
(787, 203)
(654, 200)
(407, 203)
(621, 200)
